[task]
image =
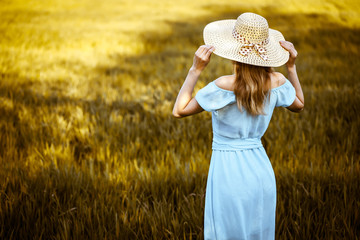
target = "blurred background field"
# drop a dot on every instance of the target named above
(89, 148)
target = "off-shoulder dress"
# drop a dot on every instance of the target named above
(241, 189)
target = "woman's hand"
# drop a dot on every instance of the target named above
(293, 53)
(202, 57)
(298, 104)
(185, 104)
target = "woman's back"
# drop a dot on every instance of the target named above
(228, 121)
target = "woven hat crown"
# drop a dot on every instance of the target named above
(252, 27)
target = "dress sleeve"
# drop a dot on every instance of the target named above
(285, 94)
(212, 98)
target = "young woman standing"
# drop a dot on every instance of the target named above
(241, 190)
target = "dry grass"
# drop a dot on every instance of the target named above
(88, 146)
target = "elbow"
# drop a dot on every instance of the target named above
(297, 106)
(176, 114)
(299, 109)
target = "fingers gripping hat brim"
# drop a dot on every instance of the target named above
(220, 35)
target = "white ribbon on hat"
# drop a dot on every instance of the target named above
(248, 46)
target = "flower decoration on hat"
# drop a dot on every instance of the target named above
(247, 46)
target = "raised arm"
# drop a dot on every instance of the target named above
(185, 104)
(298, 104)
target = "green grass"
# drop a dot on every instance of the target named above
(88, 146)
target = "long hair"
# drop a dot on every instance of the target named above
(252, 85)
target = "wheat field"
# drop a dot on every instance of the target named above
(89, 148)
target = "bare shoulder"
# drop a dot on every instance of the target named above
(277, 79)
(226, 82)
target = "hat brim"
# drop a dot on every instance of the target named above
(219, 35)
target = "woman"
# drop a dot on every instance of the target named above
(241, 191)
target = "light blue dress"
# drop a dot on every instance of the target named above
(241, 190)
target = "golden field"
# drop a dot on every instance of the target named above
(89, 148)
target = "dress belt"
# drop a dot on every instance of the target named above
(234, 144)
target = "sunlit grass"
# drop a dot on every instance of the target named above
(88, 146)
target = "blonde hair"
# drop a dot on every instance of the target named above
(251, 87)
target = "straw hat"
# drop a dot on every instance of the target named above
(248, 40)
